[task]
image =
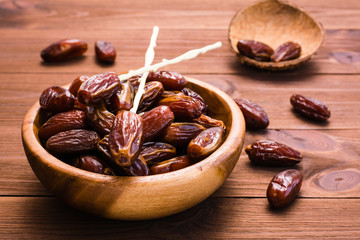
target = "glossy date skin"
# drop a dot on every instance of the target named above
(93, 163)
(105, 52)
(271, 153)
(255, 117)
(152, 92)
(286, 51)
(170, 80)
(184, 107)
(255, 50)
(179, 134)
(310, 108)
(170, 165)
(284, 188)
(76, 83)
(126, 137)
(99, 118)
(157, 151)
(64, 50)
(156, 121)
(56, 99)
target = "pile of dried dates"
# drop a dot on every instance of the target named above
(90, 125)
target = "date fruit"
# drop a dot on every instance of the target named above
(170, 165)
(179, 134)
(99, 118)
(156, 121)
(157, 151)
(56, 99)
(138, 167)
(98, 88)
(64, 50)
(209, 122)
(126, 138)
(286, 51)
(152, 92)
(76, 83)
(183, 107)
(255, 50)
(271, 153)
(310, 108)
(205, 143)
(255, 117)
(105, 52)
(73, 141)
(61, 122)
(170, 80)
(93, 164)
(122, 100)
(196, 96)
(284, 188)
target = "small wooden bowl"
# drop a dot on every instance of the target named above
(274, 22)
(138, 198)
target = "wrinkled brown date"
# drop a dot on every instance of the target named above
(195, 95)
(56, 99)
(286, 51)
(105, 52)
(170, 80)
(124, 99)
(284, 188)
(138, 167)
(310, 108)
(99, 118)
(255, 50)
(179, 134)
(183, 107)
(64, 50)
(152, 92)
(156, 121)
(157, 151)
(209, 122)
(98, 88)
(94, 164)
(126, 137)
(205, 143)
(255, 117)
(170, 165)
(271, 153)
(76, 83)
(73, 141)
(61, 122)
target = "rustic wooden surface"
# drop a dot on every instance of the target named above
(328, 205)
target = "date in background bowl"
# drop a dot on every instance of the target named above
(147, 197)
(274, 22)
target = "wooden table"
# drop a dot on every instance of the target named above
(328, 205)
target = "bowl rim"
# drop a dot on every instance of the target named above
(289, 64)
(237, 125)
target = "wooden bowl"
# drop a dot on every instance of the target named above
(274, 22)
(147, 197)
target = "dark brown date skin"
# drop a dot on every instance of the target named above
(126, 138)
(286, 51)
(170, 80)
(73, 141)
(255, 117)
(209, 122)
(64, 50)
(61, 122)
(103, 146)
(105, 52)
(179, 134)
(310, 108)
(152, 92)
(205, 143)
(98, 88)
(284, 188)
(184, 107)
(195, 95)
(271, 153)
(56, 99)
(122, 100)
(76, 83)
(94, 164)
(138, 167)
(156, 121)
(99, 118)
(153, 152)
(255, 50)
(170, 165)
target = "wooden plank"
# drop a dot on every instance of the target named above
(216, 218)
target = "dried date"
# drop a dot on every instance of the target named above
(284, 188)
(126, 138)
(286, 51)
(122, 100)
(64, 50)
(56, 99)
(170, 80)
(73, 141)
(156, 121)
(76, 83)
(255, 117)
(94, 164)
(99, 118)
(179, 134)
(157, 151)
(61, 122)
(105, 52)
(152, 92)
(183, 107)
(138, 167)
(310, 108)
(170, 165)
(271, 153)
(209, 122)
(255, 50)
(195, 95)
